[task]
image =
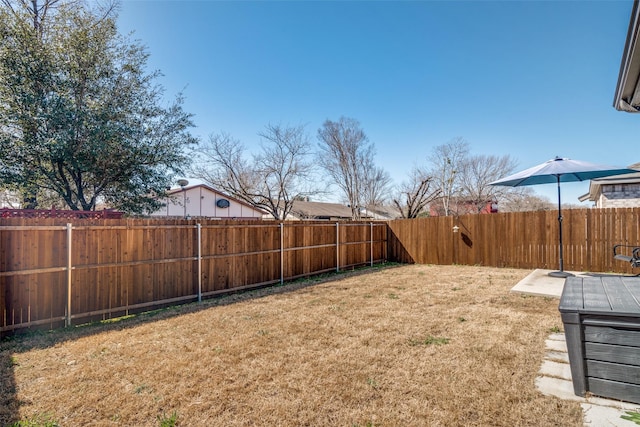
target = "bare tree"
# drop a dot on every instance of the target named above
(477, 172)
(416, 194)
(376, 187)
(37, 11)
(9, 198)
(446, 162)
(277, 176)
(284, 166)
(347, 156)
(523, 199)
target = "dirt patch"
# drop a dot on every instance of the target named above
(414, 345)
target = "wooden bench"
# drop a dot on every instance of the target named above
(601, 317)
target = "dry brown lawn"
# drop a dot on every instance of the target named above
(415, 345)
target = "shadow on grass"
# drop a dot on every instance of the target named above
(8, 398)
(12, 346)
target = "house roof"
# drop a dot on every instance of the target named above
(213, 190)
(388, 211)
(595, 184)
(627, 96)
(320, 210)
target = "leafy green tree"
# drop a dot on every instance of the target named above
(79, 114)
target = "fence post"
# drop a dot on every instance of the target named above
(281, 253)
(199, 228)
(337, 247)
(67, 321)
(371, 245)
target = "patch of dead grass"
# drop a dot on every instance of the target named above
(414, 345)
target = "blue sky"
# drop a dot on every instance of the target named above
(532, 79)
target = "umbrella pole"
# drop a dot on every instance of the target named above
(560, 273)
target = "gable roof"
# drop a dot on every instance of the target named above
(390, 212)
(179, 190)
(320, 210)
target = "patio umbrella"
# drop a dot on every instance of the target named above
(556, 171)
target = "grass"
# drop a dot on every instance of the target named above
(393, 347)
(429, 341)
(37, 421)
(168, 420)
(633, 416)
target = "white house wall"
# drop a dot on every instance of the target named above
(201, 202)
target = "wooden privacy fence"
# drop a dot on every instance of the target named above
(519, 240)
(53, 275)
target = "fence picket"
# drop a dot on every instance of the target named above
(125, 266)
(117, 267)
(520, 240)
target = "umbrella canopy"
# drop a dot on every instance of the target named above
(566, 170)
(556, 171)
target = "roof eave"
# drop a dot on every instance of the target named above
(627, 96)
(585, 197)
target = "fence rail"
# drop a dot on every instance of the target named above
(53, 275)
(519, 240)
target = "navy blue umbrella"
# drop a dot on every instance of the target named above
(556, 171)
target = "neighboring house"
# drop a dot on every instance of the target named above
(627, 96)
(463, 207)
(618, 191)
(202, 201)
(303, 210)
(622, 191)
(383, 213)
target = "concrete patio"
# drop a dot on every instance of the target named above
(555, 374)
